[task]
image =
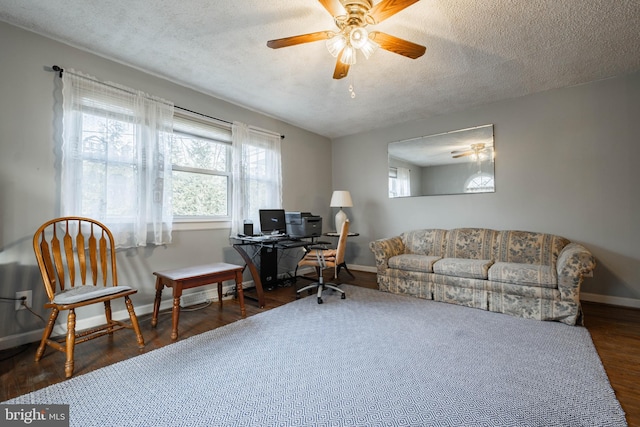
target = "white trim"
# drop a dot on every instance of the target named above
(34, 336)
(611, 300)
(90, 322)
(192, 225)
(367, 268)
(84, 323)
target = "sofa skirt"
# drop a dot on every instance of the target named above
(517, 300)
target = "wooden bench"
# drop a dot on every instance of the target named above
(191, 277)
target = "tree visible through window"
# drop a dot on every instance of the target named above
(201, 163)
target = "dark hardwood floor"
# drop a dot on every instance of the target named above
(615, 332)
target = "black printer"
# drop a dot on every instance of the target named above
(303, 224)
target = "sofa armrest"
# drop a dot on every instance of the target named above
(383, 249)
(574, 263)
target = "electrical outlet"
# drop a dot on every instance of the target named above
(28, 301)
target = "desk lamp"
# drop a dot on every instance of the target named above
(341, 199)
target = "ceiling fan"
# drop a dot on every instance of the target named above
(352, 17)
(475, 150)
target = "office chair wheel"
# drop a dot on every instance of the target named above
(319, 300)
(343, 296)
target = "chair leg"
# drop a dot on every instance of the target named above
(134, 321)
(308, 287)
(343, 295)
(320, 288)
(107, 314)
(47, 333)
(71, 342)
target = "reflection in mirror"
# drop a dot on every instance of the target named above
(455, 162)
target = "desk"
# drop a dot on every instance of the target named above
(343, 264)
(190, 277)
(265, 243)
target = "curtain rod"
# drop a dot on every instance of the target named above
(60, 70)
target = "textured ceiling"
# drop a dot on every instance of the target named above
(478, 51)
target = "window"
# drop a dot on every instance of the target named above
(201, 168)
(399, 182)
(115, 159)
(130, 161)
(108, 155)
(479, 183)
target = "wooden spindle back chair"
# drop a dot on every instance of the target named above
(77, 261)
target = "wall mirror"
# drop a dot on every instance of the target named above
(456, 162)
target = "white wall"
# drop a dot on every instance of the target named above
(567, 162)
(28, 187)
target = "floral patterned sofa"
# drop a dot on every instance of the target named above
(521, 273)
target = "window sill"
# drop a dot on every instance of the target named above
(191, 225)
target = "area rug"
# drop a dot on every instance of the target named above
(372, 359)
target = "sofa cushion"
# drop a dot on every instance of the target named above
(413, 262)
(470, 243)
(528, 247)
(524, 274)
(424, 242)
(460, 267)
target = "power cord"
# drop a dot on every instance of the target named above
(24, 304)
(13, 299)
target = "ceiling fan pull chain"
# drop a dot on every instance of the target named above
(351, 90)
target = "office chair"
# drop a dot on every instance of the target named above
(77, 261)
(321, 258)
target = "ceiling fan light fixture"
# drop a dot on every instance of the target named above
(348, 56)
(358, 37)
(369, 48)
(335, 44)
(352, 18)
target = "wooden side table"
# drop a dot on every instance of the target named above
(191, 277)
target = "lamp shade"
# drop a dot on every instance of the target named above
(341, 199)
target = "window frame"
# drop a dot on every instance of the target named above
(195, 222)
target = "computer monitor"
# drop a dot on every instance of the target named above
(272, 221)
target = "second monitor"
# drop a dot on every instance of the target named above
(272, 221)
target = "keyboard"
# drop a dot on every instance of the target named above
(270, 237)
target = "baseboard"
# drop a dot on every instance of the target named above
(207, 295)
(97, 320)
(366, 268)
(212, 295)
(611, 300)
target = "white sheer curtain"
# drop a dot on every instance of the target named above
(116, 159)
(257, 174)
(404, 182)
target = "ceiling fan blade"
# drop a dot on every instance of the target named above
(387, 8)
(397, 45)
(463, 155)
(334, 7)
(302, 38)
(341, 70)
(462, 151)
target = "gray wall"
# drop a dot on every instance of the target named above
(28, 187)
(447, 179)
(566, 163)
